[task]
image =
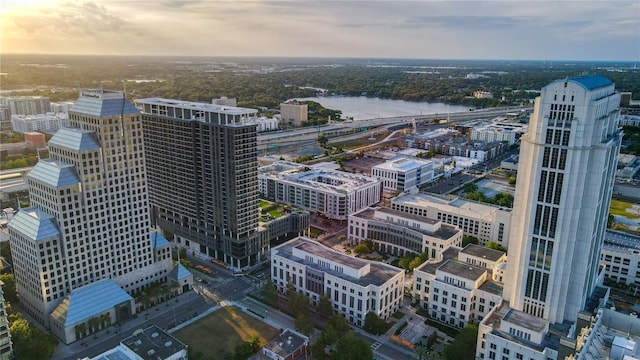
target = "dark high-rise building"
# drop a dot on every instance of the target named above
(203, 177)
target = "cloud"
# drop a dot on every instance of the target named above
(469, 29)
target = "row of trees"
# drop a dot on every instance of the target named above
(337, 340)
(93, 325)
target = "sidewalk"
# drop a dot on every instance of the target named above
(111, 336)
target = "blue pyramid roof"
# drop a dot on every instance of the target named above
(89, 301)
(35, 224)
(54, 173)
(103, 103)
(157, 240)
(75, 139)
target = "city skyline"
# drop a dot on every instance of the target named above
(532, 30)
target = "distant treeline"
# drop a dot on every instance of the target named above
(265, 82)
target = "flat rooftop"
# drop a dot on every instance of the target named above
(525, 320)
(430, 266)
(317, 178)
(153, 343)
(287, 343)
(456, 205)
(379, 273)
(444, 231)
(504, 312)
(403, 163)
(482, 252)
(326, 253)
(195, 111)
(461, 269)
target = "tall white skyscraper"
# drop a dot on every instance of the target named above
(564, 186)
(89, 219)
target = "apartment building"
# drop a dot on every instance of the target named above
(203, 178)
(294, 112)
(335, 194)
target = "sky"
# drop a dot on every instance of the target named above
(517, 30)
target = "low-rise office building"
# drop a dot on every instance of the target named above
(289, 345)
(151, 343)
(355, 286)
(333, 193)
(399, 233)
(403, 173)
(620, 257)
(461, 286)
(486, 222)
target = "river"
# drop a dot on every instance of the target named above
(362, 107)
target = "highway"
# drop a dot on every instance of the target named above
(294, 136)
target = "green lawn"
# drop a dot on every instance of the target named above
(619, 207)
(219, 333)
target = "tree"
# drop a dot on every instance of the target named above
(323, 140)
(495, 246)
(361, 249)
(269, 293)
(29, 342)
(469, 188)
(464, 345)
(468, 239)
(303, 324)
(373, 324)
(5, 251)
(9, 288)
(324, 308)
(512, 180)
(350, 347)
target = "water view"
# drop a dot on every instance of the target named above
(362, 107)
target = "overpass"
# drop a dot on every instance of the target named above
(308, 134)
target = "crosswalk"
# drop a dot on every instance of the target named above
(376, 345)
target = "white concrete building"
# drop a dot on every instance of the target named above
(486, 222)
(403, 173)
(335, 194)
(47, 123)
(267, 124)
(355, 286)
(630, 120)
(461, 286)
(482, 94)
(62, 106)
(398, 233)
(493, 132)
(565, 180)
(89, 225)
(224, 101)
(620, 257)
